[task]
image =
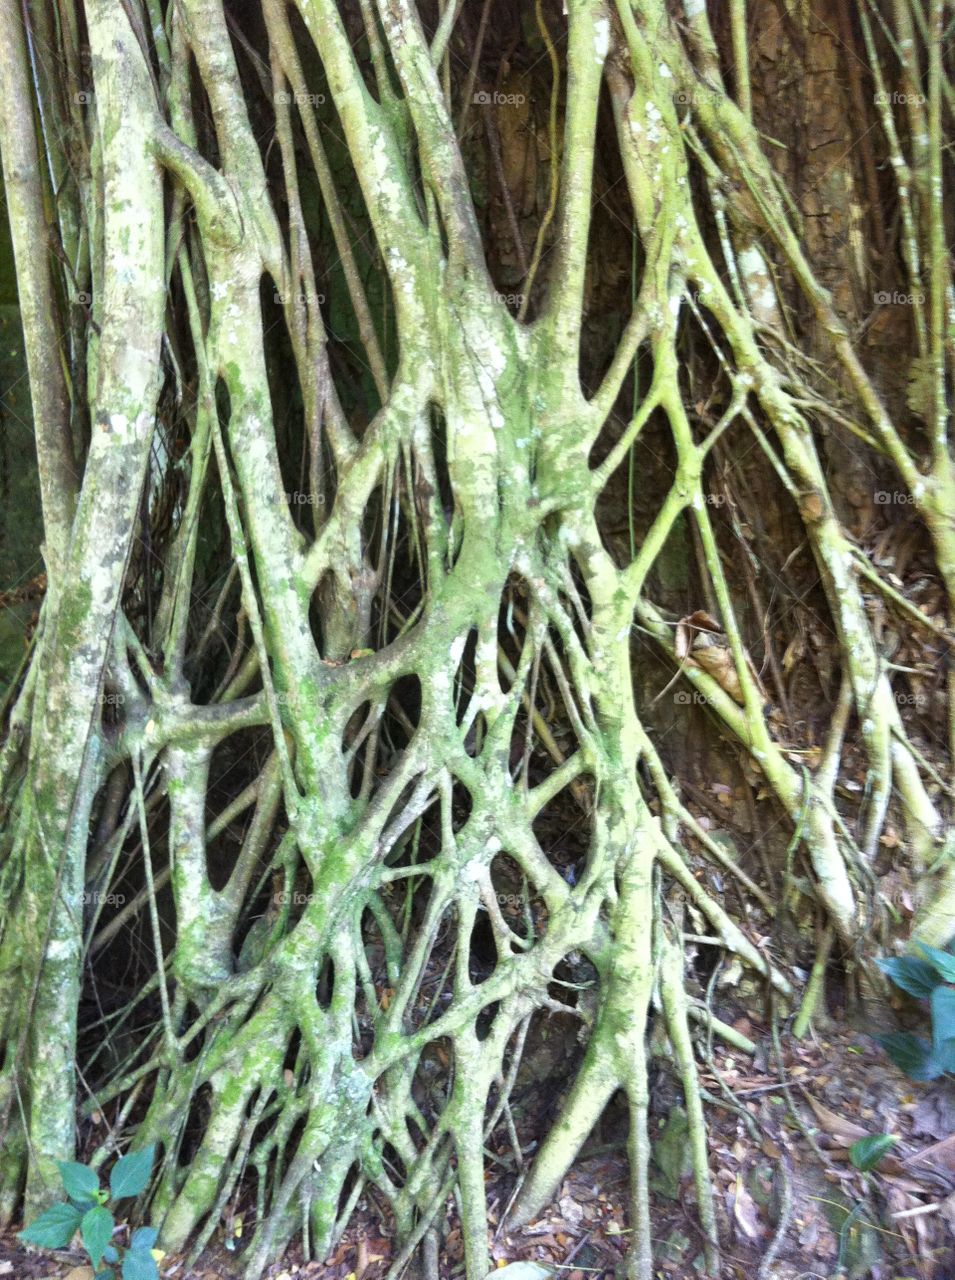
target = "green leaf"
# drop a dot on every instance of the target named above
(143, 1238)
(97, 1228)
(139, 1264)
(917, 977)
(911, 1054)
(111, 1253)
(867, 1152)
(131, 1173)
(943, 1016)
(79, 1182)
(55, 1228)
(943, 962)
(945, 1054)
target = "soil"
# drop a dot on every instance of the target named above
(895, 1222)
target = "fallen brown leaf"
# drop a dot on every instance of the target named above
(845, 1132)
(941, 1155)
(746, 1213)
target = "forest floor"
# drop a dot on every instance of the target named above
(895, 1223)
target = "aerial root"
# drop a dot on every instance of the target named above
(675, 1010)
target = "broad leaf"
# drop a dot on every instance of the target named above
(867, 1152)
(130, 1174)
(943, 1016)
(111, 1253)
(55, 1228)
(943, 962)
(79, 1182)
(97, 1229)
(143, 1238)
(945, 1054)
(911, 1054)
(139, 1264)
(917, 977)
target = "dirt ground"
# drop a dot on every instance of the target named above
(792, 1169)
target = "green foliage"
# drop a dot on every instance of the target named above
(55, 1228)
(87, 1212)
(927, 979)
(867, 1152)
(917, 977)
(97, 1231)
(943, 962)
(79, 1182)
(131, 1173)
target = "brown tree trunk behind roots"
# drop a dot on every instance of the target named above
(488, 468)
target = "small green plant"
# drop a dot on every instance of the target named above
(87, 1210)
(928, 979)
(868, 1152)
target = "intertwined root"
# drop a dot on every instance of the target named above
(441, 660)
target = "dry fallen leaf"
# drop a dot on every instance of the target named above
(746, 1213)
(941, 1155)
(688, 628)
(845, 1132)
(716, 660)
